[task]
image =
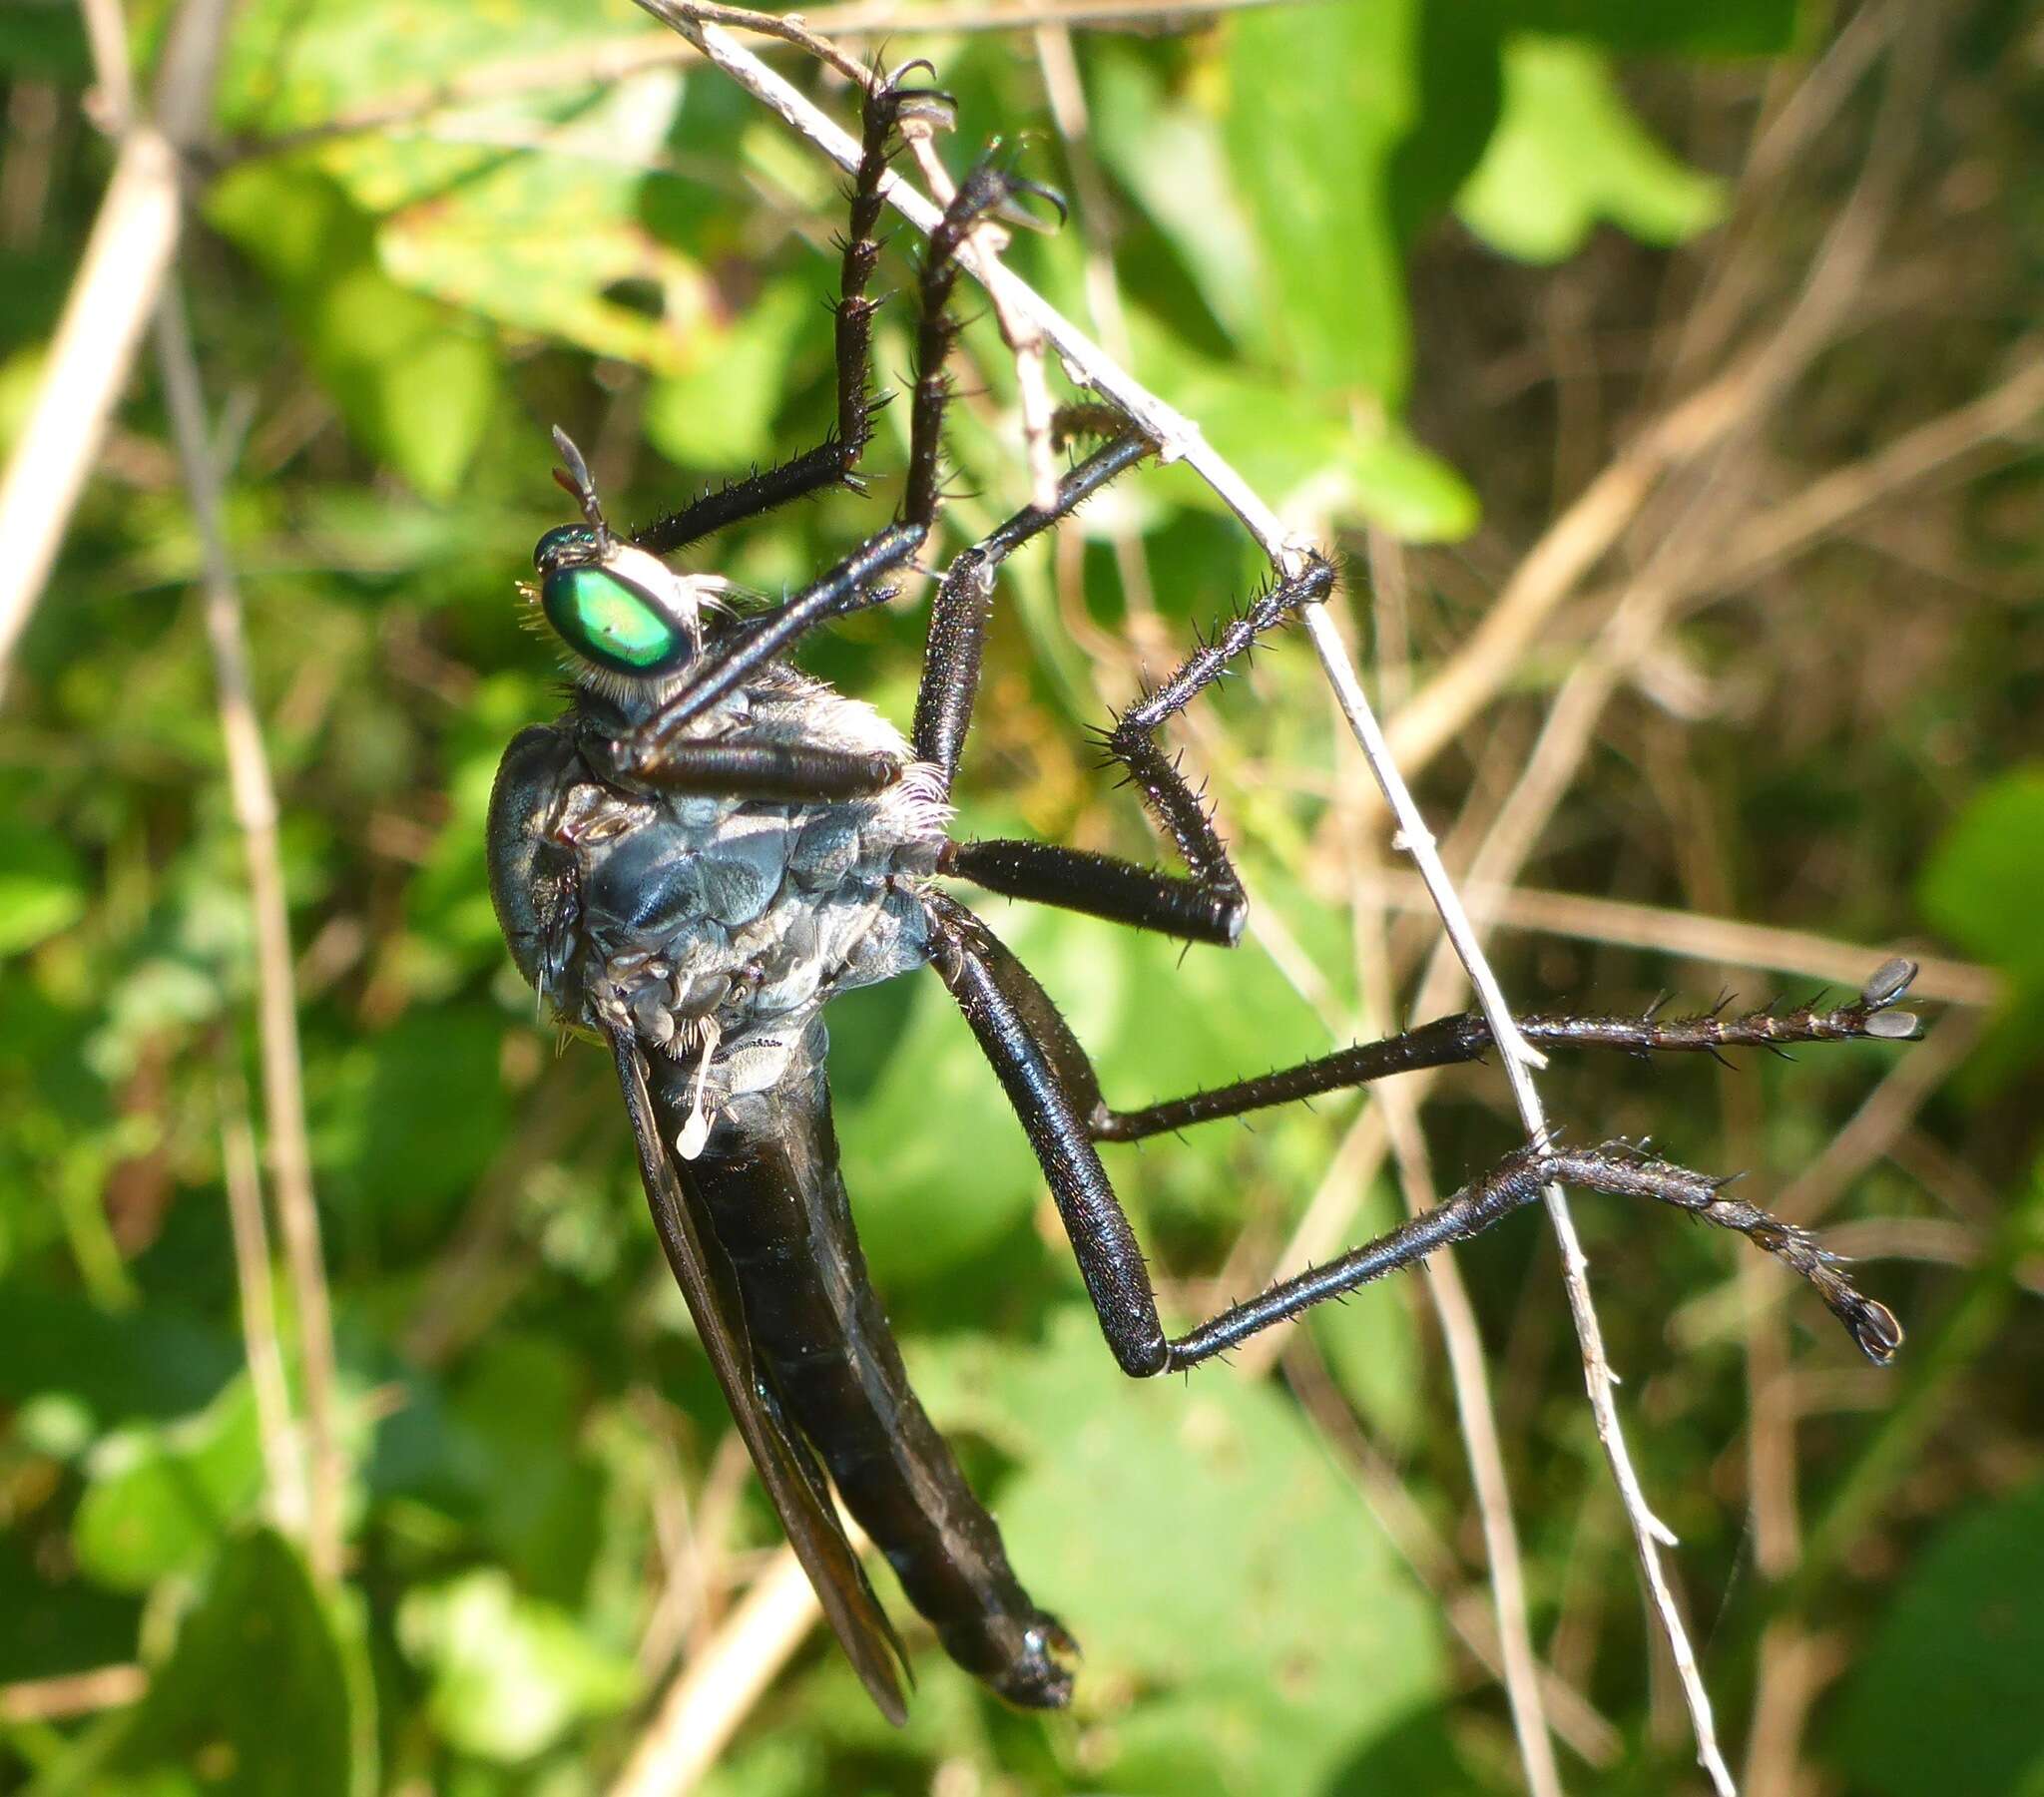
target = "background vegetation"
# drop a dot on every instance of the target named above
(1736, 300)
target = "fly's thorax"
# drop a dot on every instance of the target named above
(717, 926)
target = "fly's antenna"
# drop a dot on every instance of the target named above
(573, 480)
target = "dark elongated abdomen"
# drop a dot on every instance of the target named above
(769, 1185)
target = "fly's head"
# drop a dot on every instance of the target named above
(630, 622)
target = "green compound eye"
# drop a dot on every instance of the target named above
(565, 542)
(608, 621)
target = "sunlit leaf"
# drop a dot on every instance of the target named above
(1244, 1622)
(508, 1673)
(42, 886)
(1570, 155)
(1981, 885)
(160, 1500)
(253, 1699)
(416, 381)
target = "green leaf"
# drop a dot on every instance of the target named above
(415, 1114)
(253, 1699)
(1570, 153)
(1346, 126)
(1723, 28)
(42, 886)
(1313, 174)
(1170, 155)
(415, 383)
(160, 1498)
(509, 1674)
(292, 64)
(1312, 451)
(1950, 1694)
(720, 413)
(916, 1216)
(1197, 1541)
(547, 242)
(1981, 885)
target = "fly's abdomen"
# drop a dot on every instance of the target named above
(770, 1187)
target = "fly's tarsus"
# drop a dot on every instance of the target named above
(1624, 1169)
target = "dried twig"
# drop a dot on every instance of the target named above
(254, 801)
(124, 262)
(721, 1682)
(72, 1695)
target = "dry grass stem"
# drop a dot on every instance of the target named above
(283, 1463)
(126, 258)
(1663, 929)
(255, 804)
(34, 1701)
(717, 1690)
(1469, 1377)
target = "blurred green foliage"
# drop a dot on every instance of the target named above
(390, 313)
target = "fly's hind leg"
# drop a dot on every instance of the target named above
(1056, 1092)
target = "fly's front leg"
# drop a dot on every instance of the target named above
(793, 774)
(832, 462)
(1206, 904)
(854, 583)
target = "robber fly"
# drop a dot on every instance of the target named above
(707, 846)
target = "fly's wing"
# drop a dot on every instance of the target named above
(784, 1463)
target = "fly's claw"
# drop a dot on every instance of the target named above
(892, 104)
(992, 189)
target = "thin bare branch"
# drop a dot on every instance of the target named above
(1720, 938)
(284, 1468)
(72, 1695)
(255, 802)
(126, 258)
(718, 1687)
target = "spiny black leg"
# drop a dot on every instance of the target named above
(1450, 1041)
(831, 462)
(1616, 1167)
(1056, 1092)
(849, 586)
(1051, 1084)
(964, 602)
(986, 188)
(1208, 905)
